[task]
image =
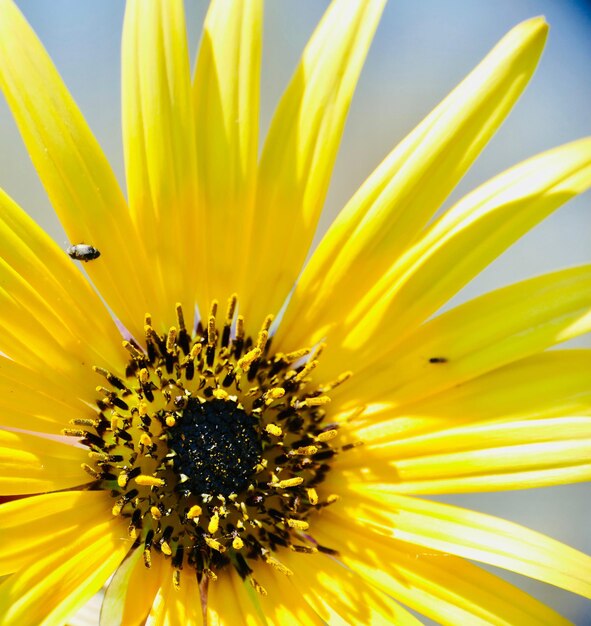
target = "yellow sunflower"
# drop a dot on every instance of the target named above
(231, 459)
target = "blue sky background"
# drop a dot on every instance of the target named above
(422, 50)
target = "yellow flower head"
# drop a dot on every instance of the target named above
(237, 438)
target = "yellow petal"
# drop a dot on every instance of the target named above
(130, 594)
(224, 607)
(226, 102)
(480, 457)
(49, 590)
(472, 535)
(488, 332)
(182, 607)
(72, 168)
(45, 306)
(548, 384)
(445, 588)
(342, 597)
(283, 604)
(464, 241)
(38, 525)
(300, 150)
(160, 155)
(32, 401)
(396, 202)
(30, 464)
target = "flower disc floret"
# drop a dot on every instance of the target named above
(213, 446)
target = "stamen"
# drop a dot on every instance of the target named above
(215, 448)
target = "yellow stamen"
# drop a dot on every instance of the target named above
(298, 524)
(248, 358)
(214, 523)
(133, 351)
(274, 430)
(194, 511)
(214, 545)
(155, 513)
(304, 451)
(327, 435)
(145, 440)
(171, 340)
(289, 482)
(312, 495)
(149, 481)
(279, 566)
(274, 394)
(220, 394)
(237, 543)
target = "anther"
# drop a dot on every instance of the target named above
(113, 380)
(248, 358)
(289, 482)
(303, 451)
(85, 422)
(237, 543)
(214, 524)
(297, 524)
(74, 432)
(149, 481)
(278, 566)
(274, 394)
(274, 430)
(220, 394)
(180, 317)
(194, 511)
(214, 545)
(133, 351)
(327, 435)
(90, 470)
(310, 402)
(171, 340)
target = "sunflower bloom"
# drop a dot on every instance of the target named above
(225, 464)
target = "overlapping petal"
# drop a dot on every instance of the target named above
(341, 596)
(55, 585)
(131, 592)
(479, 336)
(73, 169)
(44, 523)
(439, 585)
(44, 309)
(471, 535)
(160, 153)
(547, 384)
(226, 102)
(300, 150)
(388, 212)
(462, 243)
(33, 401)
(498, 454)
(31, 464)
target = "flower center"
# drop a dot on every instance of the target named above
(214, 447)
(217, 447)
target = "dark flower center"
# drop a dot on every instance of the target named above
(213, 446)
(217, 447)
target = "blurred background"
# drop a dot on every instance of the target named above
(421, 51)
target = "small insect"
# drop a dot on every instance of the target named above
(437, 359)
(83, 252)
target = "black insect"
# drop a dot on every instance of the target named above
(83, 252)
(437, 359)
